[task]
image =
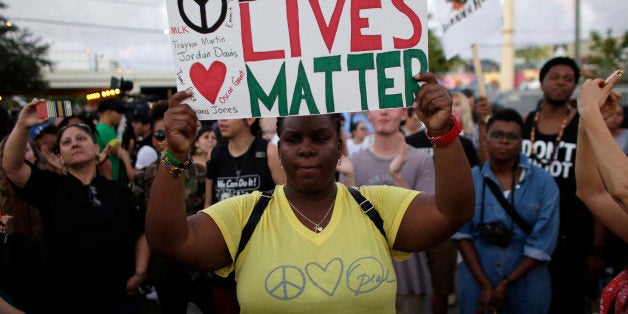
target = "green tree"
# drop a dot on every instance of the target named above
(437, 61)
(607, 53)
(23, 57)
(533, 54)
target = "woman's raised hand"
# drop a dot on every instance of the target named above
(28, 116)
(433, 104)
(181, 124)
(597, 94)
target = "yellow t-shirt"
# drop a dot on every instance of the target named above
(286, 267)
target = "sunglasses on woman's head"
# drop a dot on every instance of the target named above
(81, 126)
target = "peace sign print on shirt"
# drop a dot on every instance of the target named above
(364, 275)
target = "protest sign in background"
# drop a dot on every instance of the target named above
(297, 57)
(465, 22)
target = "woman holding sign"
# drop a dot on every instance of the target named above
(313, 247)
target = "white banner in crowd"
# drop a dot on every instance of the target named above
(297, 57)
(465, 22)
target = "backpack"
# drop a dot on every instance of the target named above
(260, 206)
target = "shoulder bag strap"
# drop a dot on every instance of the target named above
(256, 215)
(509, 208)
(368, 209)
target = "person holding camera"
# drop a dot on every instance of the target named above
(507, 245)
(94, 243)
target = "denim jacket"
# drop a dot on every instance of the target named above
(536, 201)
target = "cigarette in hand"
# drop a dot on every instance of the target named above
(619, 73)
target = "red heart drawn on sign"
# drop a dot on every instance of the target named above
(208, 81)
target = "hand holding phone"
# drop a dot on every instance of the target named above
(54, 109)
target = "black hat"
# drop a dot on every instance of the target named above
(141, 115)
(111, 104)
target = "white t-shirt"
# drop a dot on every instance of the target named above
(354, 148)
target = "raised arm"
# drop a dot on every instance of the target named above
(15, 147)
(196, 241)
(591, 190)
(485, 112)
(594, 103)
(123, 154)
(430, 219)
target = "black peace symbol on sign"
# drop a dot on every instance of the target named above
(285, 282)
(203, 28)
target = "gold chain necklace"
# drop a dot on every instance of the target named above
(317, 226)
(561, 131)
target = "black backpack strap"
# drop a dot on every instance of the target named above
(368, 209)
(256, 215)
(509, 208)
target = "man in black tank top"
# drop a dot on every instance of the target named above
(549, 140)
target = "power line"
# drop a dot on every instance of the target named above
(90, 25)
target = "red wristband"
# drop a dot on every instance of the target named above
(445, 139)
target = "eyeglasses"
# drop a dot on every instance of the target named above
(500, 135)
(160, 135)
(363, 129)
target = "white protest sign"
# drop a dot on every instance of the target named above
(297, 57)
(465, 22)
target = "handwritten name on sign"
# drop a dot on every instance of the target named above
(297, 57)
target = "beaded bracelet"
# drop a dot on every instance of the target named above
(173, 165)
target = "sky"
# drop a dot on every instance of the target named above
(89, 34)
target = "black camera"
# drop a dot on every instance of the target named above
(495, 234)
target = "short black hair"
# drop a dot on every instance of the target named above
(113, 104)
(157, 110)
(506, 114)
(558, 61)
(333, 117)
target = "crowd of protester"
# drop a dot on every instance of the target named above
(75, 191)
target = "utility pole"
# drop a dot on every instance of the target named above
(507, 69)
(577, 41)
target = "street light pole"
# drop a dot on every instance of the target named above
(507, 68)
